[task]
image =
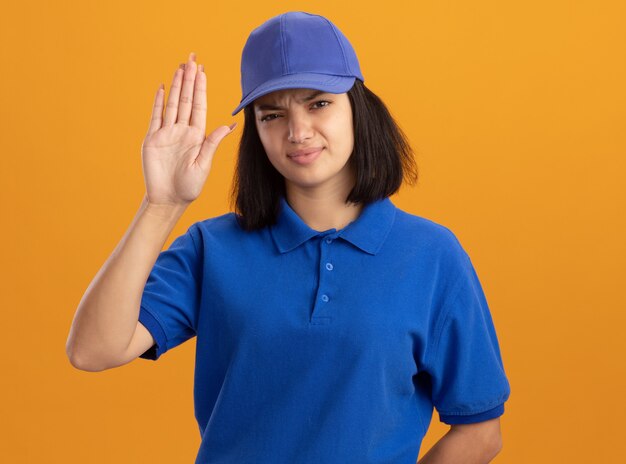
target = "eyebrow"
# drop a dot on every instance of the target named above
(305, 99)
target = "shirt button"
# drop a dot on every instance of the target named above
(324, 298)
(329, 240)
(329, 266)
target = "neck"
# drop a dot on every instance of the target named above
(323, 210)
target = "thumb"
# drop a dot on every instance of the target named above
(210, 144)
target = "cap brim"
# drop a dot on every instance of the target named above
(324, 82)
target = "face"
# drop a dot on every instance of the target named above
(303, 119)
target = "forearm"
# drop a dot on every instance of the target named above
(107, 315)
(457, 447)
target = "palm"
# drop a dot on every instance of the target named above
(172, 172)
(176, 155)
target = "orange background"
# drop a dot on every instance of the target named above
(516, 113)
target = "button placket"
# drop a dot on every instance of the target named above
(323, 310)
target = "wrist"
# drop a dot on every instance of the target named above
(166, 211)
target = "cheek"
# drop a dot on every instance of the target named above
(266, 141)
(341, 131)
(272, 150)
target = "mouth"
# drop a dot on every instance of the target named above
(304, 152)
(306, 157)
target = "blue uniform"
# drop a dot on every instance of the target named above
(326, 347)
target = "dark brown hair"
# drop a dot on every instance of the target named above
(382, 158)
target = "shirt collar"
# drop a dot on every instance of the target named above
(368, 231)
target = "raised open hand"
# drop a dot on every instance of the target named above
(176, 154)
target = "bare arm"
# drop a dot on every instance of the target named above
(108, 313)
(177, 157)
(475, 443)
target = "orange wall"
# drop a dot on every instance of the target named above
(516, 112)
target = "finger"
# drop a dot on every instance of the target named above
(171, 110)
(198, 108)
(157, 111)
(210, 144)
(186, 94)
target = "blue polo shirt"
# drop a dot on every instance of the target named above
(326, 347)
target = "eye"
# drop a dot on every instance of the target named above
(322, 101)
(269, 117)
(264, 118)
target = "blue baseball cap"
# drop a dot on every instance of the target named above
(296, 50)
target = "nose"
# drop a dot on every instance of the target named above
(299, 126)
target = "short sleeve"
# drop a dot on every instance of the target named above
(467, 374)
(171, 296)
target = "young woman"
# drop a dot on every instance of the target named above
(328, 322)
